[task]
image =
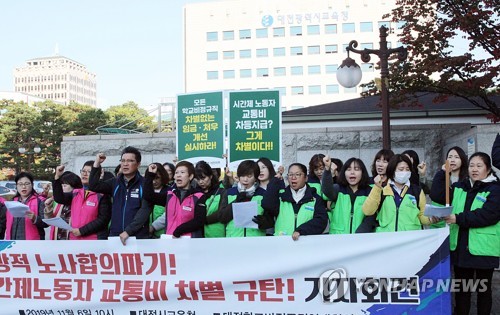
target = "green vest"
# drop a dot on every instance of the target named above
(406, 217)
(287, 221)
(232, 231)
(484, 241)
(320, 193)
(345, 218)
(157, 212)
(215, 229)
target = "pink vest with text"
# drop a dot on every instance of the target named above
(179, 213)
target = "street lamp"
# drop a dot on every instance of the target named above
(36, 150)
(349, 75)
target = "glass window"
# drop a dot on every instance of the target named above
(348, 28)
(384, 23)
(228, 74)
(366, 27)
(297, 90)
(281, 89)
(212, 75)
(316, 69)
(245, 34)
(262, 52)
(228, 54)
(212, 36)
(350, 90)
(245, 73)
(366, 45)
(331, 68)
(245, 53)
(332, 89)
(297, 70)
(331, 49)
(296, 31)
(279, 51)
(330, 28)
(261, 33)
(228, 35)
(314, 89)
(262, 72)
(313, 50)
(312, 29)
(279, 71)
(296, 50)
(367, 67)
(212, 55)
(279, 32)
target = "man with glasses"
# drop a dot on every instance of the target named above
(298, 209)
(126, 191)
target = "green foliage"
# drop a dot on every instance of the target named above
(130, 116)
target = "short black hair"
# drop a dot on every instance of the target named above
(248, 167)
(202, 169)
(387, 154)
(393, 163)
(134, 151)
(267, 162)
(70, 178)
(88, 163)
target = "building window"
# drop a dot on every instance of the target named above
(245, 53)
(348, 28)
(228, 35)
(262, 52)
(296, 50)
(367, 67)
(228, 74)
(261, 33)
(281, 89)
(366, 45)
(245, 34)
(262, 72)
(245, 73)
(279, 51)
(279, 32)
(314, 89)
(296, 31)
(366, 27)
(331, 49)
(212, 75)
(297, 70)
(313, 50)
(279, 71)
(331, 68)
(330, 28)
(228, 54)
(350, 90)
(212, 36)
(384, 23)
(316, 69)
(312, 29)
(332, 89)
(297, 90)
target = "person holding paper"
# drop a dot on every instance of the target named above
(400, 204)
(185, 208)
(348, 195)
(475, 232)
(298, 209)
(246, 190)
(31, 227)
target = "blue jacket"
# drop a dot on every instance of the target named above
(127, 200)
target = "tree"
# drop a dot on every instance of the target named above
(130, 117)
(430, 29)
(87, 122)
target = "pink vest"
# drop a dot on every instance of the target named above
(179, 213)
(83, 211)
(30, 229)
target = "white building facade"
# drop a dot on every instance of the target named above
(57, 78)
(294, 46)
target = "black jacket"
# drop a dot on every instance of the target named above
(495, 152)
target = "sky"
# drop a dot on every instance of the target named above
(134, 47)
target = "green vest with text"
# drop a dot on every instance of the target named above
(215, 229)
(287, 221)
(345, 218)
(392, 219)
(232, 231)
(484, 241)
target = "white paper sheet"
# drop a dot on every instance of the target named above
(17, 209)
(437, 211)
(58, 222)
(243, 213)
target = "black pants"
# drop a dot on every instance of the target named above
(463, 296)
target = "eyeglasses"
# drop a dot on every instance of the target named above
(84, 172)
(127, 161)
(23, 184)
(294, 175)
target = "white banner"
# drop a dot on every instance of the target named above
(383, 273)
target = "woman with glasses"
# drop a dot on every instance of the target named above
(298, 209)
(30, 227)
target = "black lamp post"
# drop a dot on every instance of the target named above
(349, 75)
(36, 150)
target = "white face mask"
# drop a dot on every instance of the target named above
(402, 177)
